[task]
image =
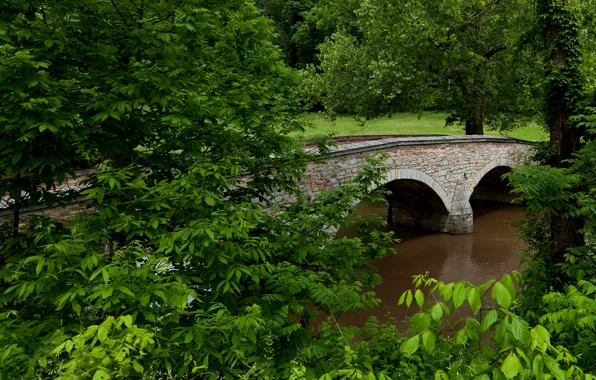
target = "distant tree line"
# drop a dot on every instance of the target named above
(477, 60)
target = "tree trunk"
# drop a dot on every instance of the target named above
(561, 136)
(473, 94)
(565, 230)
(475, 122)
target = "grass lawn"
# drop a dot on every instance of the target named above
(403, 124)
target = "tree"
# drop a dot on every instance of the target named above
(286, 15)
(184, 267)
(303, 25)
(464, 57)
(119, 89)
(560, 23)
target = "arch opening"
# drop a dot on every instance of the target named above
(493, 187)
(415, 204)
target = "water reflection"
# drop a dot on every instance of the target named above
(488, 253)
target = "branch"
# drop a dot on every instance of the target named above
(120, 13)
(477, 15)
(495, 50)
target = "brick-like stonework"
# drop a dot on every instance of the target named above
(451, 166)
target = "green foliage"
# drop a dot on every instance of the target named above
(287, 15)
(170, 278)
(571, 316)
(302, 26)
(151, 83)
(463, 331)
(187, 265)
(552, 194)
(463, 57)
(183, 268)
(560, 23)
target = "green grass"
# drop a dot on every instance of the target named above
(403, 124)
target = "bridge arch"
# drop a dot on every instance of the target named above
(500, 162)
(416, 200)
(417, 175)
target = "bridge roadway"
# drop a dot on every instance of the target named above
(432, 178)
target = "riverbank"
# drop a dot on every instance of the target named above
(403, 124)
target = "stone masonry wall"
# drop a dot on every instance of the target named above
(445, 163)
(452, 166)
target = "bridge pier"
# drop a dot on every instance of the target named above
(461, 218)
(461, 215)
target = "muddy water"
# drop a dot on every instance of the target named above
(488, 253)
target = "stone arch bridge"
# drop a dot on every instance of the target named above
(432, 178)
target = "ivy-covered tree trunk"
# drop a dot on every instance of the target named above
(561, 33)
(563, 80)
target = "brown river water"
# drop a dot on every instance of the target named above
(489, 252)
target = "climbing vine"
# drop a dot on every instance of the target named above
(560, 23)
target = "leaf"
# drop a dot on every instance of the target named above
(101, 374)
(511, 366)
(125, 290)
(17, 157)
(48, 43)
(501, 295)
(516, 328)
(144, 299)
(188, 337)
(446, 291)
(507, 281)
(538, 366)
(459, 294)
(461, 337)
(210, 201)
(474, 300)
(436, 312)
(419, 298)
(410, 346)
(76, 307)
(107, 292)
(105, 275)
(402, 298)
(100, 195)
(489, 319)
(420, 322)
(428, 341)
(98, 352)
(102, 332)
(137, 367)
(39, 267)
(541, 333)
(409, 298)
